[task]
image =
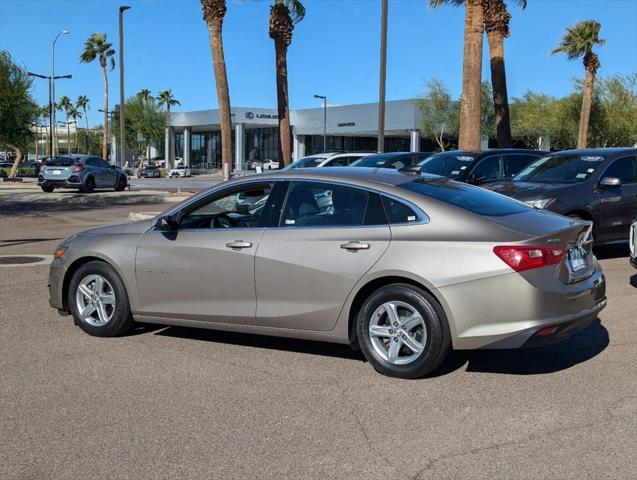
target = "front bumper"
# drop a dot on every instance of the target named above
(57, 271)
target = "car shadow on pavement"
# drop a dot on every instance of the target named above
(263, 341)
(579, 348)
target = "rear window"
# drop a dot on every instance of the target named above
(468, 197)
(60, 162)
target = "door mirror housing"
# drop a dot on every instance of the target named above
(609, 182)
(167, 223)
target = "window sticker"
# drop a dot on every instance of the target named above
(590, 170)
(464, 167)
(289, 222)
(455, 172)
(463, 158)
(592, 158)
(411, 218)
(581, 175)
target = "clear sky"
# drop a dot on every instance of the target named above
(334, 50)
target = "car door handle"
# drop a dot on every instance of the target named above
(355, 245)
(238, 244)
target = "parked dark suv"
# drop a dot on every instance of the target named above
(479, 167)
(599, 185)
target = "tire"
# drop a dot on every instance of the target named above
(121, 184)
(428, 330)
(89, 186)
(117, 319)
(47, 188)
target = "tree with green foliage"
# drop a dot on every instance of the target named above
(97, 48)
(17, 108)
(145, 124)
(579, 41)
(438, 110)
(167, 100)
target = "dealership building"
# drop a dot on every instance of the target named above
(255, 133)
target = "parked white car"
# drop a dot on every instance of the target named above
(180, 171)
(328, 160)
(269, 165)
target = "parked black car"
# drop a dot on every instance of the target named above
(479, 167)
(396, 160)
(149, 171)
(599, 185)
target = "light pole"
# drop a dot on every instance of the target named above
(111, 116)
(383, 74)
(51, 105)
(324, 98)
(52, 102)
(122, 143)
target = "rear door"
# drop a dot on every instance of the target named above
(618, 205)
(327, 237)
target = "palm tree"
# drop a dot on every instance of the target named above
(96, 47)
(579, 41)
(144, 94)
(66, 104)
(284, 14)
(166, 99)
(496, 24)
(83, 103)
(469, 134)
(74, 113)
(214, 12)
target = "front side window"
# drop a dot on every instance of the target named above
(311, 204)
(488, 169)
(239, 209)
(625, 169)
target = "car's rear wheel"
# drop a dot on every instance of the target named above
(121, 183)
(89, 185)
(403, 331)
(47, 188)
(98, 301)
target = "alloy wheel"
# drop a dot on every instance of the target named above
(398, 333)
(95, 300)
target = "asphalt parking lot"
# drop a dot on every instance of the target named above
(183, 403)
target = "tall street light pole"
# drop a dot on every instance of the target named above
(52, 100)
(383, 75)
(122, 101)
(51, 103)
(324, 98)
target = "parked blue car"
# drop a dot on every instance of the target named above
(83, 172)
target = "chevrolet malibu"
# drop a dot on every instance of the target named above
(403, 266)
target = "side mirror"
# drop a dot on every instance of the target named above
(166, 223)
(609, 182)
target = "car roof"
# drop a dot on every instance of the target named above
(604, 152)
(368, 175)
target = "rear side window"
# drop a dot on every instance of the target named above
(625, 169)
(474, 199)
(92, 162)
(398, 212)
(311, 204)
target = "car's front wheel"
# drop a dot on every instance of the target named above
(403, 331)
(98, 301)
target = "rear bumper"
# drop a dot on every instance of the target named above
(71, 182)
(506, 311)
(565, 329)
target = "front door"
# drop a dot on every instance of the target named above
(328, 237)
(205, 270)
(618, 205)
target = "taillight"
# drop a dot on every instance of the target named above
(42, 167)
(521, 257)
(78, 168)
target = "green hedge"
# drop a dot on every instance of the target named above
(22, 171)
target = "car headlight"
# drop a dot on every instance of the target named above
(540, 203)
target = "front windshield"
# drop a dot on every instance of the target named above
(560, 169)
(451, 165)
(308, 162)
